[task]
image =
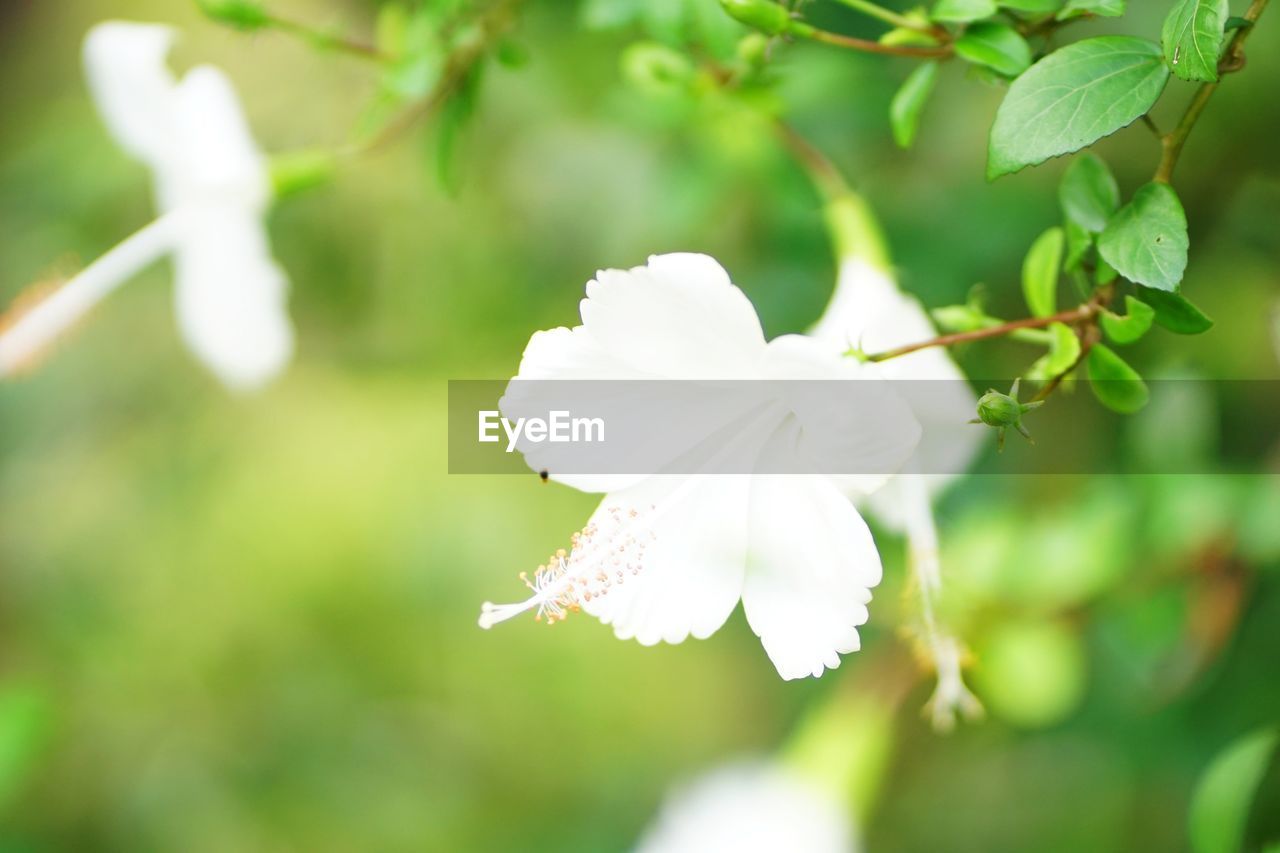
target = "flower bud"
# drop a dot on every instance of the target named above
(753, 49)
(296, 171)
(656, 69)
(998, 410)
(764, 15)
(1002, 411)
(242, 14)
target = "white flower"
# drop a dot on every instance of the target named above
(1275, 329)
(666, 557)
(750, 808)
(869, 311)
(212, 189)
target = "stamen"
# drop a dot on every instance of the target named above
(588, 571)
(33, 329)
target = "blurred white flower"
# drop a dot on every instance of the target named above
(867, 310)
(750, 808)
(666, 557)
(1275, 329)
(212, 189)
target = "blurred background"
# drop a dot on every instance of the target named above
(250, 623)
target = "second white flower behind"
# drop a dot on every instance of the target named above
(668, 557)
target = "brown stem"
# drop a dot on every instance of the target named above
(1232, 60)
(1078, 314)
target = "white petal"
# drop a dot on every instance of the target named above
(231, 296)
(859, 437)
(694, 536)
(868, 309)
(132, 87)
(221, 161)
(750, 808)
(679, 317)
(810, 569)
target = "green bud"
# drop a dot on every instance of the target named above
(242, 14)
(998, 410)
(1002, 411)
(656, 69)
(296, 171)
(753, 49)
(763, 15)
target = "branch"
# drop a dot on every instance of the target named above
(459, 64)
(1079, 314)
(811, 32)
(334, 41)
(1232, 60)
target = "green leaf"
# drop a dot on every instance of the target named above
(1221, 800)
(1088, 193)
(962, 11)
(1079, 242)
(1175, 312)
(1074, 97)
(1064, 350)
(996, 46)
(1235, 22)
(1146, 241)
(1133, 325)
(1116, 385)
(454, 117)
(1031, 6)
(1101, 8)
(25, 726)
(1105, 273)
(907, 103)
(1192, 38)
(1040, 272)
(609, 14)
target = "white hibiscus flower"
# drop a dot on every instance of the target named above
(757, 807)
(212, 189)
(666, 557)
(868, 310)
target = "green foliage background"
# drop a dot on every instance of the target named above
(250, 623)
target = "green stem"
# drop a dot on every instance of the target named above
(1232, 60)
(460, 63)
(887, 15)
(803, 30)
(332, 41)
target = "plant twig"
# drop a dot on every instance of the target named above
(889, 16)
(1079, 314)
(865, 45)
(459, 64)
(329, 40)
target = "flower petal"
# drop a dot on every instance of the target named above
(810, 569)
(858, 433)
(132, 87)
(221, 160)
(678, 317)
(231, 295)
(694, 536)
(750, 807)
(868, 310)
